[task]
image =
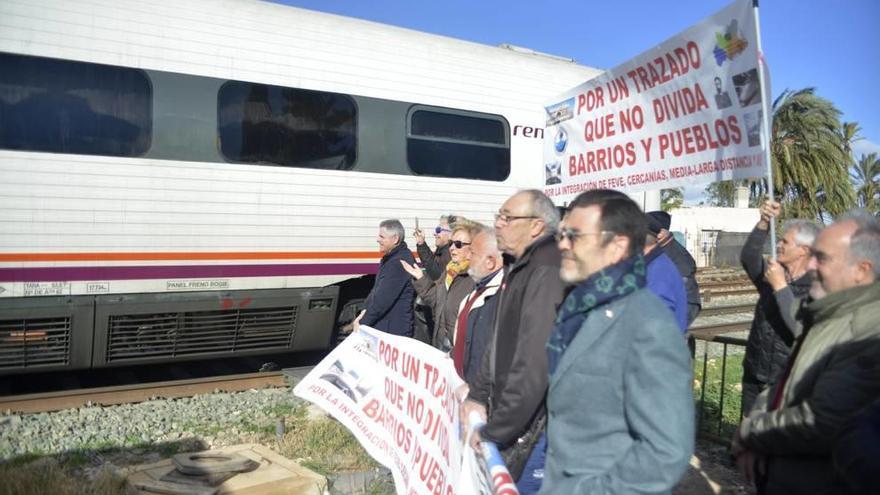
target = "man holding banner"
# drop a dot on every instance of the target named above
(620, 406)
(512, 381)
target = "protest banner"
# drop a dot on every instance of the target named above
(397, 396)
(688, 111)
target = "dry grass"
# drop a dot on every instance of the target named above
(323, 445)
(46, 476)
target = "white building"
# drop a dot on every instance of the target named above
(702, 225)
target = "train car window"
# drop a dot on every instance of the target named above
(459, 127)
(453, 143)
(275, 125)
(63, 106)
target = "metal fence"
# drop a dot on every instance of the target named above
(717, 384)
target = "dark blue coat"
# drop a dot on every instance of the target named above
(390, 304)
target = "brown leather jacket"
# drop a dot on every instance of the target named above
(444, 304)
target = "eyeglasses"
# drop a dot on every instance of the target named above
(500, 217)
(460, 244)
(572, 235)
(439, 229)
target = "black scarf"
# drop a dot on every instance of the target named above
(600, 288)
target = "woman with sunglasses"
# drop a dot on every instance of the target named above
(446, 293)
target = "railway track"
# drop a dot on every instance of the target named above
(724, 284)
(709, 332)
(707, 295)
(727, 310)
(124, 394)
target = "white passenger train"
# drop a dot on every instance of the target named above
(205, 178)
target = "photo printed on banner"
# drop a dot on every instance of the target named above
(753, 127)
(748, 87)
(552, 172)
(353, 383)
(722, 98)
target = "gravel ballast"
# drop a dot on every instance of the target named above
(216, 419)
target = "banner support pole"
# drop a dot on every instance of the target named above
(765, 134)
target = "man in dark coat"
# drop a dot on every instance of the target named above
(786, 443)
(435, 267)
(389, 306)
(770, 337)
(510, 387)
(683, 261)
(435, 262)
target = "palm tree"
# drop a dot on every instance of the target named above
(849, 133)
(866, 176)
(810, 154)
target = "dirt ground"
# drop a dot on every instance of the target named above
(711, 473)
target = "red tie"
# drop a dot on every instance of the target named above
(461, 333)
(777, 396)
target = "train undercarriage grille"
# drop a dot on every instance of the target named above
(34, 342)
(179, 334)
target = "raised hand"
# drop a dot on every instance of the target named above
(769, 211)
(413, 270)
(775, 275)
(419, 235)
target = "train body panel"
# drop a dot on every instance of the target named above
(136, 164)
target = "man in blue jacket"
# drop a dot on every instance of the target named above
(389, 306)
(664, 279)
(683, 261)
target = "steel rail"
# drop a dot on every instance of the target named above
(707, 295)
(731, 282)
(727, 310)
(712, 332)
(124, 394)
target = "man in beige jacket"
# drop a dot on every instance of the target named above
(785, 442)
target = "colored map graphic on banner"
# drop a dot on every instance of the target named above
(688, 111)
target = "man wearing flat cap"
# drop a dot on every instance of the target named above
(683, 261)
(663, 277)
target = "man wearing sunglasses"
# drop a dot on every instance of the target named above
(435, 267)
(619, 402)
(435, 262)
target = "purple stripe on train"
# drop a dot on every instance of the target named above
(74, 273)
